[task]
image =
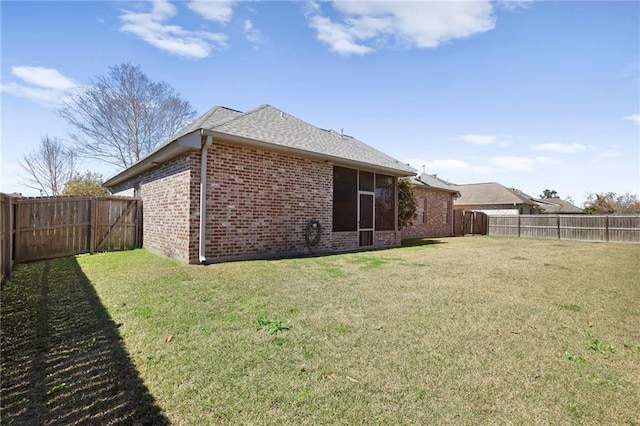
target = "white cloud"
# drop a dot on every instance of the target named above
(513, 5)
(633, 117)
(503, 144)
(478, 139)
(437, 165)
(362, 27)
(569, 148)
(610, 153)
(46, 86)
(213, 10)
(251, 34)
(171, 38)
(483, 169)
(337, 36)
(519, 164)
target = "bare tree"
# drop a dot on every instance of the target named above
(611, 203)
(49, 167)
(122, 116)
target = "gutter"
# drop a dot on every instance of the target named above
(203, 199)
(189, 142)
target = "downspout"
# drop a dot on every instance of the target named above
(203, 199)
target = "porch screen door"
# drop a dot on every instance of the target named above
(365, 216)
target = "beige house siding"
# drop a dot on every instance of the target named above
(497, 209)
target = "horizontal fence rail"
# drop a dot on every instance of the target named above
(47, 227)
(614, 229)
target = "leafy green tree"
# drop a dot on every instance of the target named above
(548, 193)
(86, 184)
(407, 204)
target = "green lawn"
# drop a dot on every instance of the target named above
(459, 330)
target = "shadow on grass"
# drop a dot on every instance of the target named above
(62, 358)
(416, 242)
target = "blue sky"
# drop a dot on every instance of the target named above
(533, 95)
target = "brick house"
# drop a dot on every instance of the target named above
(268, 178)
(434, 200)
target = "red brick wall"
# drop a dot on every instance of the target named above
(258, 204)
(434, 223)
(166, 203)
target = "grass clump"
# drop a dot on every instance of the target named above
(273, 326)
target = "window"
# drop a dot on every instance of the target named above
(424, 212)
(345, 199)
(385, 203)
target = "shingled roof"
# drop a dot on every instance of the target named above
(558, 206)
(491, 193)
(434, 182)
(214, 117)
(271, 125)
(267, 127)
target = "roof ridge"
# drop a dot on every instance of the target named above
(242, 114)
(203, 117)
(477, 183)
(523, 196)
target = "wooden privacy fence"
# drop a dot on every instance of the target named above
(618, 229)
(469, 222)
(43, 228)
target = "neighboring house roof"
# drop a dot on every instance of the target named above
(434, 182)
(491, 193)
(267, 127)
(557, 206)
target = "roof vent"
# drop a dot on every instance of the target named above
(282, 115)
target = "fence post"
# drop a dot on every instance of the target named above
(519, 223)
(16, 229)
(606, 221)
(92, 225)
(8, 237)
(558, 216)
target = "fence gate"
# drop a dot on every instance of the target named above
(468, 222)
(64, 226)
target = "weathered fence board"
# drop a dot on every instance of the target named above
(469, 222)
(624, 229)
(64, 226)
(7, 218)
(504, 225)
